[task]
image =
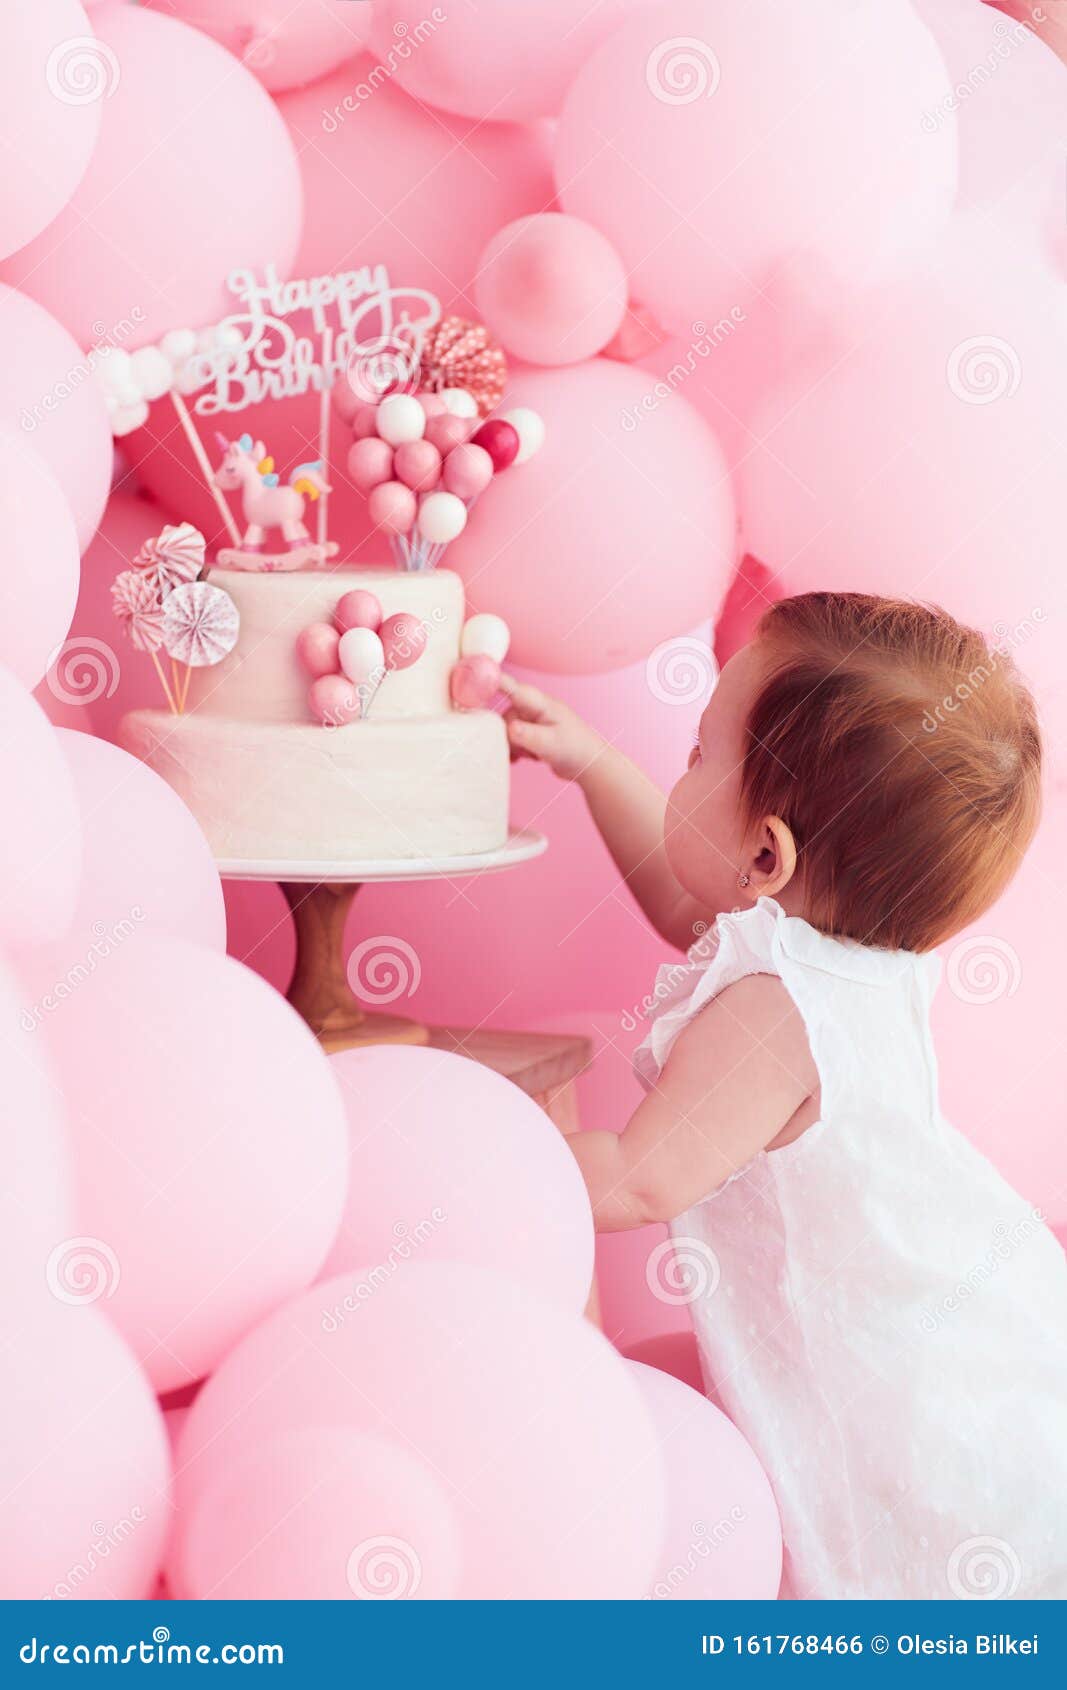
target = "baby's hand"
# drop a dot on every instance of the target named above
(542, 727)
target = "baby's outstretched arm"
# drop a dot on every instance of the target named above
(739, 1079)
(626, 806)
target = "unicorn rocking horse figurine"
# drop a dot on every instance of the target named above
(266, 504)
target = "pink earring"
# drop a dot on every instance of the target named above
(742, 880)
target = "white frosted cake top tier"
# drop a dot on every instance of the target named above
(262, 681)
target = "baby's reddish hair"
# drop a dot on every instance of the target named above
(904, 755)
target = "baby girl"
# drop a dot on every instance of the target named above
(884, 1317)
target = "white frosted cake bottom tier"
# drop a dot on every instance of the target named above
(434, 787)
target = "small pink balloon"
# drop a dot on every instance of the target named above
(468, 471)
(432, 404)
(333, 701)
(316, 649)
(370, 463)
(447, 430)
(404, 640)
(501, 440)
(474, 682)
(392, 507)
(346, 401)
(358, 609)
(364, 420)
(418, 465)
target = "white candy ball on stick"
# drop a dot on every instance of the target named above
(441, 517)
(459, 402)
(485, 635)
(530, 429)
(400, 419)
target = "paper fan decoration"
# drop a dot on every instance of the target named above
(456, 353)
(174, 556)
(200, 624)
(136, 601)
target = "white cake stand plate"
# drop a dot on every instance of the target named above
(320, 896)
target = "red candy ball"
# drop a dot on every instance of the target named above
(501, 440)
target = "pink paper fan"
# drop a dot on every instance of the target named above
(138, 603)
(174, 556)
(200, 624)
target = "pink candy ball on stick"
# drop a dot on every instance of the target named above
(333, 701)
(474, 682)
(370, 463)
(358, 609)
(364, 419)
(468, 470)
(316, 649)
(446, 431)
(403, 639)
(418, 465)
(432, 404)
(391, 507)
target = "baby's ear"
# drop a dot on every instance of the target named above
(774, 862)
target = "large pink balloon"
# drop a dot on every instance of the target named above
(207, 1137)
(482, 1380)
(617, 535)
(284, 44)
(723, 1538)
(493, 58)
(40, 841)
(84, 1471)
(53, 81)
(751, 135)
(47, 391)
(146, 863)
(35, 1192)
(551, 288)
(39, 570)
(167, 208)
(450, 1162)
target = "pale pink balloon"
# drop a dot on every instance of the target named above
(40, 841)
(446, 431)
(284, 46)
(430, 1134)
(712, 172)
(146, 866)
(53, 82)
(723, 1538)
(316, 649)
(418, 465)
(152, 231)
(323, 1512)
(474, 682)
(364, 418)
(468, 470)
(432, 404)
(562, 548)
(370, 463)
(404, 639)
(495, 59)
(392, 507)
(333, 701)
(35, 1191)
(59, 412)
(551, 288)
(358, 609)
(484, 1381)
(39, 570)
(675, 1353)
(84, 1468)
(185, 1073)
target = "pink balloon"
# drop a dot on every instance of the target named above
(723, 1539)
(713, 81)
(185, 1073)
(370, 463)
(562, 548)
(40, 842)
(284, 46)
(152, 232)
(146, 865)
(53, 83)
(83, 1455)
(551, 288)
(333, 701)
(358, 609)
(39, 572)
(501, 440)
(418, 465)
(346, 402)
(60, 412)
(435, 1139)
(447, 431)
(468, 470)
(35, 1192)
(496, 59)
(403, 639)
(474, 682)
(324, 1512)
(364, 419)
(484, 1382)
(392, 507)
(432, 404)
(675, 1353)
(316, 649)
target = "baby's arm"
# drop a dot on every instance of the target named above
(626, 806)
(736, 1077)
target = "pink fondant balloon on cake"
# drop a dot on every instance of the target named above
(54, 79)
(40, 841)
(551, 288)
(284, 46)
(404, 640)
(333, 701)
(474, 682)
(39, 569)
(565, 548)
(153, 230)
(186, 1074)
(316, 649)
(481, 1379)
(358, 609)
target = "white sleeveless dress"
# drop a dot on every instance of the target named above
(881, 1314)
